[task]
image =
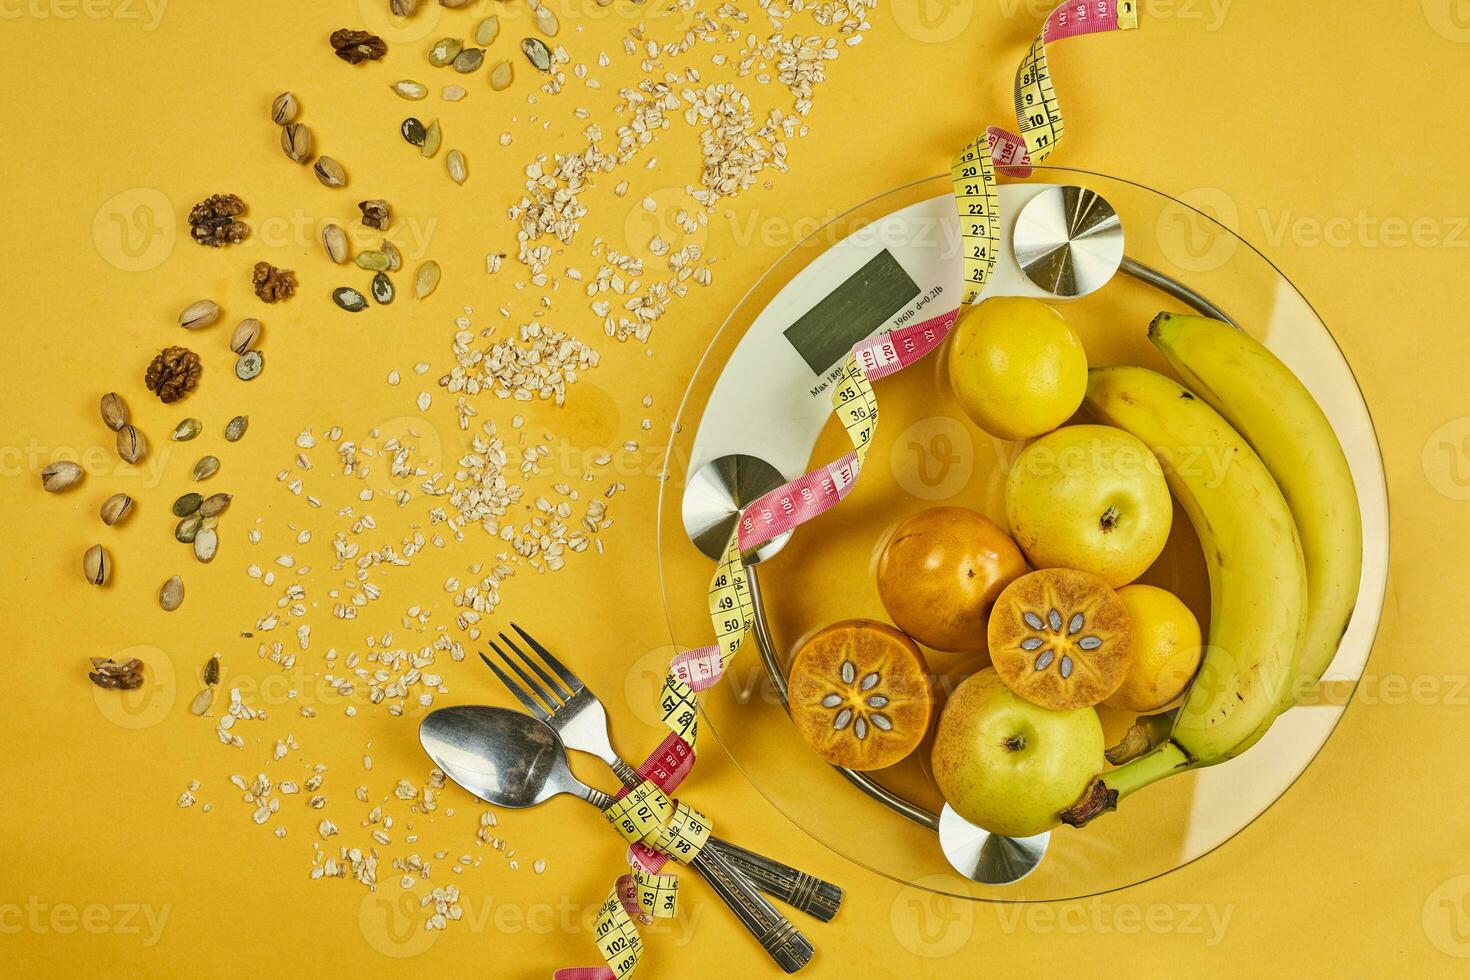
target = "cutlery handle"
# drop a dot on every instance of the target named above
(807, 893)
(787, 946)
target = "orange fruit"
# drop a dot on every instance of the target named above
(860, 695)
(941, 572)
(1061, 638)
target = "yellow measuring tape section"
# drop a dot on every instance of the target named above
(673, 828)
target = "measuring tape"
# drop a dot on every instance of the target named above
(645, 815)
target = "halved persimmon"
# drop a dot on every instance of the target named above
(860, 694)
(1061, 639)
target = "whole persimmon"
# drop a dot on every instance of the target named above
(942, 571)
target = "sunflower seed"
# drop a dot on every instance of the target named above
(501, 76)
(537, 53)
(283, 109)
(214, 505)
(433, 136)
(207, 467)
(330, 172)
(236, 428)
(410, 90)
(206, 543)
(349, 299)
(469, 60)
(334, 240)
(455, 162)
(413, 130)
(97, 565)
(60, 475)
(296, 141)
(114, 411)
(186, 430)
(246, 335)
(131, 445)
(382, 289)
(115, 508)
(444, 51)
(197, 316)
(171, 595)
(187, 529)
(427, 279)
(487, 31)
(372, 260)
(395, 257)
(249, 366)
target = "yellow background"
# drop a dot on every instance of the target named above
(1330, 136)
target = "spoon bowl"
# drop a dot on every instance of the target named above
(504, 757)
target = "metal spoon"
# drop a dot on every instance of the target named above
(512, 760)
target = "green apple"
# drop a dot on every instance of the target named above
(1090, 497)
(1008, 765)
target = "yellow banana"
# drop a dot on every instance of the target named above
(1273, 410)
(1258, 582)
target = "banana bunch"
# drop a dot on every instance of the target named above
(1254, 463)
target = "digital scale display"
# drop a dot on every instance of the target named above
(852, 311)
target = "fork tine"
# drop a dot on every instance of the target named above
(565, 695)
(571, 679)
(514, 688)
(537, 689)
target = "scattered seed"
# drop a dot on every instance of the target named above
(296, 141)
(453, 93)
(469, 60)
(211, 671)
(413, 130)
(115, 508)
(188, 504)
(97, 565)
(187, 529)
(249, 366)
(427, 279)
(546, 21)
(371, 260)
(455, 162)
(410, 90)
(433, 136)
(236, 428)
(207, 467)
(206, 543)
(501, 75)
(186, 430)
(486, 31)
(114, 411)
(330, 172)
(60, 475)
(171, 595)
(334, 240)
(245, 336)
(283, 109)
(537, 53)
(199, 315)
(202, 701)
(403, 8)
(382, 289)
(214, 505)
(349, 299)
(444, 51)
(131, 445)
(395, 257)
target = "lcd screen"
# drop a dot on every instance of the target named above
(851, 312)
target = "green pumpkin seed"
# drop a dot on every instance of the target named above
(444, 51)
(207, 467)
(236, 429)
(206, 543)
(171, 595)
(469, 60)
(395, 257)
(372, 260)
(249, 366)
(187, 429)
(487, 30)
(501, 76)
(349, 299)
(537, 53)
(413, 130)
(383, 288)
(433, 136)
(410, 90)
(188, 504)
(427, 279)
(214, 505)
(187, 529)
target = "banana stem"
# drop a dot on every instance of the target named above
(1147, 733)
(1103, 795)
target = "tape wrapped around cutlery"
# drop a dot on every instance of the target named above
(974, 175)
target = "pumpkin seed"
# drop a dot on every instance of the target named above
(486, 31)
(537, 53)
(395, 257)
(206, 543)
(171, 595)
(372, 260)
(469, 60)
(131, 445)
(186, 530)
(334, 240)
(186, 430)
(433, 136)
(349, 299)
(114, 411)
(115, 508)
(501, 76)
(427, 279)
(413, 130)
(249, 366)
(97, 565)
(410, 90)
(382, 288)
(403, 8)
(60, 475)
(283, 109)
(207, 467)
(296, 141)
(453, 93)
(188, 504)
(546, 21)
(330, 172)
(444, 51)
(236, 428)
(197, 316)
(455, 162)
(214, 505)
(246, 335)
(202, 701)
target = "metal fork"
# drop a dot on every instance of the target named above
(581, 721)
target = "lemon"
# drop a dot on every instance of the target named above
(1166, 649)
(1017, 368)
